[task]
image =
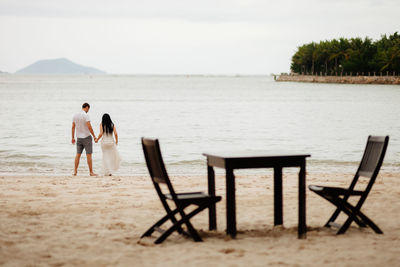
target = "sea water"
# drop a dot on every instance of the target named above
(191, 115)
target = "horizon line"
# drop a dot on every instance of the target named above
(138, 74)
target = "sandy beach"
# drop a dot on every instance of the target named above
(97, 221)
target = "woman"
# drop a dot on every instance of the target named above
(111, 159)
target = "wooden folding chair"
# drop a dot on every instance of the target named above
(369, 168)
(158, 174)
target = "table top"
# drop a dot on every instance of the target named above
(254, 158)
(238, 154)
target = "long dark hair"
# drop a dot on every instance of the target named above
(108, 125)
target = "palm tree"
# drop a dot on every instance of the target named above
(340, 51)
(388, 53)
(354, 55)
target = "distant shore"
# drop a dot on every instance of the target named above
(339, 79)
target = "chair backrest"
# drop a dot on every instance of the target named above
(373, 156)
(155, 165)
(371, 162)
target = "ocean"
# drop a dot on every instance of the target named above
(191, 115)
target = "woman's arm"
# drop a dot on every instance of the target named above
(116, 135)
(101, 132)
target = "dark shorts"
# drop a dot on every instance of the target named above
(84, 143)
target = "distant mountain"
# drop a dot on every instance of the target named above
(58, 66)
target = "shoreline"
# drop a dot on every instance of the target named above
(97, 221)
(392, 80)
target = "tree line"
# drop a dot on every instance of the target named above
(355, 56)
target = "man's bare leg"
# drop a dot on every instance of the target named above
(89, 162)
(77, 158)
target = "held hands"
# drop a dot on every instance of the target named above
(96, 140)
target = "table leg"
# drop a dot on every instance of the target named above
(278, 211)
(302, 228)
(212, 215)
(230, 203)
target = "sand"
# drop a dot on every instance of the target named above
(97, 221)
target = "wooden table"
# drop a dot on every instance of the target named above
(244, 160)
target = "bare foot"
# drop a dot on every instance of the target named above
(93, 174)
(74, 174)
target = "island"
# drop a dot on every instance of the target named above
(58, 66)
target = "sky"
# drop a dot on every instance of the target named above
(182, 36)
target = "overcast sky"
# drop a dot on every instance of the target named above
(182, 36)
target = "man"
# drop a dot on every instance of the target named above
(84, 130)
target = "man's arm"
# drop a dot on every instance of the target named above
(91, 130)
(73, 133)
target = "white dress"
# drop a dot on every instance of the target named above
(111, 158)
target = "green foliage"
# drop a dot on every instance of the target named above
(356, 55)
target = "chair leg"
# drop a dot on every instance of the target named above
(345, 207)
(171, 213)
(347, 223)
(163, 220)
(368, 221)
(185, 220)
(158, 224)
(374, 227)
(335, 213)
(352, 211)
(345, 226)
(193, 233)
(362, 221)
(333, 217)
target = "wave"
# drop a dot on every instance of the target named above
(332, 162)
(19, 156)
(186, 162)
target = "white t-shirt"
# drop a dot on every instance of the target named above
(81, 128)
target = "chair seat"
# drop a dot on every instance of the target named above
(333, 190)
(193, 197)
